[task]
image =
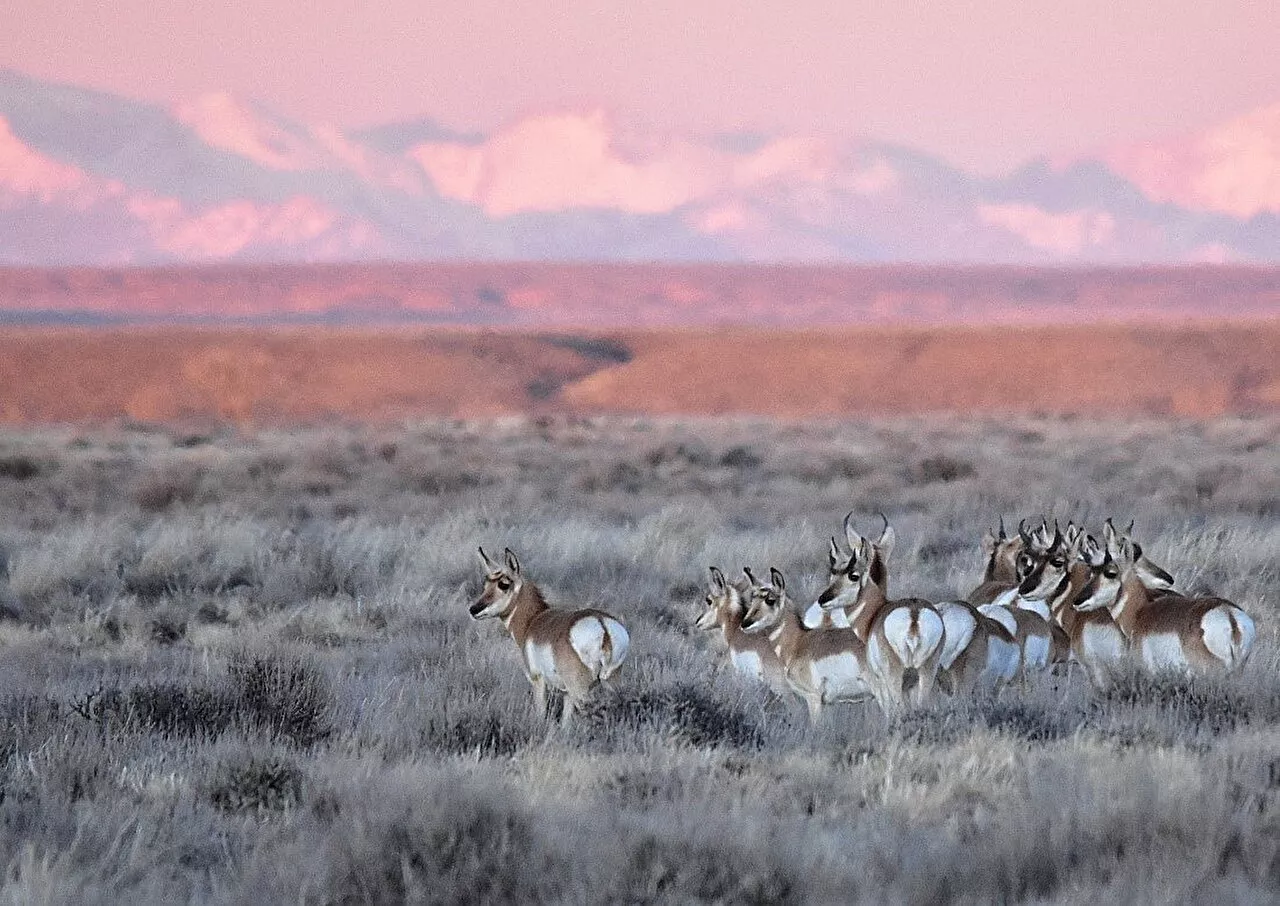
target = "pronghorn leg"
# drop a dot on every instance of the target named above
(570, 706)
(540, 694)
(815, 708)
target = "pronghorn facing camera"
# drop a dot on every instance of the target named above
(821, 665)
(567, 650)
(1167, 631)
(904, 638)
(751, 654)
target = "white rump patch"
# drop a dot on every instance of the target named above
(913, 650)
(621, 640)
(1007, 598)
(1218, 636)
(960, 625)
(587, 637)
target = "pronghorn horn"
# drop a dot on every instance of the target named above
(835, 553)
(1129, 530)
(1002, 536)
(512, 562)
(776, 578)
(850, 533)
(1023, 533)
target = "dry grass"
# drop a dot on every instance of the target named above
(238, 668)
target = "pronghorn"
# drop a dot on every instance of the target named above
(1001, 554)
(1166, 631)
(820, 665)
(1040, 642)
(568, 650)
(750, 653)
(904, 638)
(1055, 583)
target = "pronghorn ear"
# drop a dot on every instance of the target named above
(512, 563)
(1108, 533)
(865, 553)
(989, 542)
(750, 578)
(776, 578)
(1023, 533)
(717, 579)
(887, 540)
(484, 558)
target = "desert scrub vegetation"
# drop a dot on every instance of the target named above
(237, 667)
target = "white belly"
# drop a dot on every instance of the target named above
(839, 678)
(1003, 660)
(1035, 654)
(747, 663)
(1101, 645)
(542, 663)
(1163, 651)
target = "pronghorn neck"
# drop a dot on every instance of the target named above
(863, 612)
(786, 634)
(1078, 575)
(1133, 597)
(528, 604)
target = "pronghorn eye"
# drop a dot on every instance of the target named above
(1111, 572)
(1058, 561)
(853, 573)
(504, 584)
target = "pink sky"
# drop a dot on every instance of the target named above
(985, 85)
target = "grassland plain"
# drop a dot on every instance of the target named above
(236, 667)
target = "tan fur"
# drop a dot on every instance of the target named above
(536, 627)
(800, 650)
(724, 607)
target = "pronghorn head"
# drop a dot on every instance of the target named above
(1036, 545)
(1118, 564)
(768, 602)
(864, 566)
(1050, 571)
(1153, 577)
(1000, 553)
(502, 584)
(723, 602)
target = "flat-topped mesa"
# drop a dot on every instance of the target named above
(904, 638)
(1166, 630)
(751, 654)
(571, 651)
(822, 665)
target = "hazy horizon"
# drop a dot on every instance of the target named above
(1009, 81)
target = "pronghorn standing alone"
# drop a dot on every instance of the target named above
(904, 638)
(1166, 631)
(568, 650)
(821, 665)
(750, 653)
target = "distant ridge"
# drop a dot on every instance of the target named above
(89, 178)
(538, 295)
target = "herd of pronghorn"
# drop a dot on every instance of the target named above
(1048, 597)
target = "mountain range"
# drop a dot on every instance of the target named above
(88, 178)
